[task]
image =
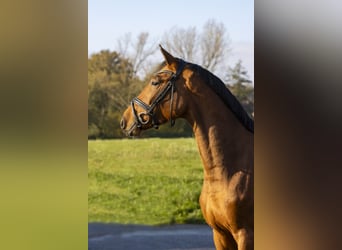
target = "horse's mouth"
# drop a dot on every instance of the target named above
(133, 131)
(136, 129)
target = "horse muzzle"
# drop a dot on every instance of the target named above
(132, 130)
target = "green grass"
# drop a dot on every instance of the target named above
(144, 181)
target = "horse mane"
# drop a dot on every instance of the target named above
(225, 95)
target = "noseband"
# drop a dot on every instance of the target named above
(149, 109)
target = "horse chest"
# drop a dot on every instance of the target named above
(215, 209)
(219, 204)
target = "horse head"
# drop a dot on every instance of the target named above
(161, 100)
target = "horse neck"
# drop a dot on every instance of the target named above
(225, 146)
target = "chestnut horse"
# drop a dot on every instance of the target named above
(224, 134)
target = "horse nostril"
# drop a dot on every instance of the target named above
(122, 124)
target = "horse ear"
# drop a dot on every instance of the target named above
(168, 57)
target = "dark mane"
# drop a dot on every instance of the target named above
(226, 96)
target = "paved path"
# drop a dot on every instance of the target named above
(174, 237)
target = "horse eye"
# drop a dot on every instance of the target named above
(154, 83)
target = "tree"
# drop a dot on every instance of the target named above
(209, 47)
(214, 44)
(137, 52)
(111, 86)
(239, 84)
(182, 42)
(98, 108)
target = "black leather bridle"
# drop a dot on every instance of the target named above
(149, 109)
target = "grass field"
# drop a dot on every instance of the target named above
(144, 181)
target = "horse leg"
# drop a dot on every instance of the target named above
(245, 239)
(224, 241)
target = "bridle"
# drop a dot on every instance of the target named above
(149, 109)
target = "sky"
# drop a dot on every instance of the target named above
(110, 20)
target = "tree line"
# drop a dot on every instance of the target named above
(115, 77)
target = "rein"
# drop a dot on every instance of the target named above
(149, 109)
